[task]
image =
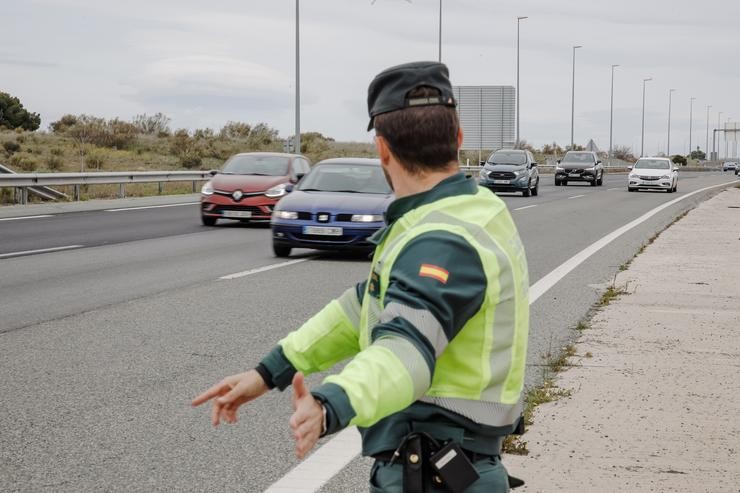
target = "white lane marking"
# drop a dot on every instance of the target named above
(525, 207)
(25, 217)
(322, 465)
(42, 250)
(319, 468)
(150, 207)
(264, 268)
(576, 197)
(615, 188)
(540, 287)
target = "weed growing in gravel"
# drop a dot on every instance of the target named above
(581, 326)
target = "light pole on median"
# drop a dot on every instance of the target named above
(668, 146)
(691, 122)
(611, 115)
(297, 146)
(440, 32)
(573, 99)
(706, 149)
(642, 145)
(518, 90)
(716, 156)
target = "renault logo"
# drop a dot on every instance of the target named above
(237, 195)
(323, 218)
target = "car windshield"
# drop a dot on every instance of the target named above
(652, 164)
(356, 178)
(507, 157)
(578, 157)
(257, 165)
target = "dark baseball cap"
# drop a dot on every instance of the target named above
(389, 89)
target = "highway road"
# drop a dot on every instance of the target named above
(106, 337)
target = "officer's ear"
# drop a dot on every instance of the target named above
(384, 151)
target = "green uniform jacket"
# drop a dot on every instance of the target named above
(437, 333)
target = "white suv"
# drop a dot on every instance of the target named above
(730, 166)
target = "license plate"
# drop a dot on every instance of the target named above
(237, 214)
(322, 230)
(575, 173)
(501, 182)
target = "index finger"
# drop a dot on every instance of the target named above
(209, 394)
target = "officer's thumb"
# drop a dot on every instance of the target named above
(300, 389)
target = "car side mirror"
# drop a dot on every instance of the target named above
(558, 161)
(213, 172)
(481, 163)
(598, 162)
(534, 163)
(675, 168)
(298, 176)
(629, 168)
(289, 187)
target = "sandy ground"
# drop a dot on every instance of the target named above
(655, 403)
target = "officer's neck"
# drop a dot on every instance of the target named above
(405, 183)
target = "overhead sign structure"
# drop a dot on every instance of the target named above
(487, 116)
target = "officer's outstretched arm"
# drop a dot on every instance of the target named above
(327, 338)
(435, 286)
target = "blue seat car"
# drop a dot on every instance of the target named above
(336, 206)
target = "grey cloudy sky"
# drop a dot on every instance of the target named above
(204, 63)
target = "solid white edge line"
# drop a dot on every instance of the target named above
(320, 467)
(576, 197)
(25, 217)
(264, 268)
(41, 250)
(525, 207)
(149, 207)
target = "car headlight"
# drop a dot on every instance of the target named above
(559, 168)
(285, 214)
(207, 188)
(592, 168)
(632, 176)
(664, 177)
(366, 218)
(276, 191)
(521, 174)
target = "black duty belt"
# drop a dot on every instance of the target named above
(387, 456)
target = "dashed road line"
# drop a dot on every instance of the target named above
(26, 217)
(525, 207)
(41, 250)
(576, 197)
(150, 207)
(265, 268)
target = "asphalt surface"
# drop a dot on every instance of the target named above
(104, 345)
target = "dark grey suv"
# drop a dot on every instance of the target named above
(511, 170)
(579, 166)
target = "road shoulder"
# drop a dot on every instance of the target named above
(655, 392)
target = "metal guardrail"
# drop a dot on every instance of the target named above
(23, 181)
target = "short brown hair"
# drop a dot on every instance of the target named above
(423, 138)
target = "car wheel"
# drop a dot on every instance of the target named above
(594, 182)
(630, 189)
(536, 189)
(557, 183)
(527, 191)
(601, 179)
(564, 183)
(208, 220)
(281, 250)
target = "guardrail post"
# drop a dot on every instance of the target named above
(121, 190)
(77, 193)
(24, 195)
(194, 186)
(160, 187)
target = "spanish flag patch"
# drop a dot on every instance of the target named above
(435, 272)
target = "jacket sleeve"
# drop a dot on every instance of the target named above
(327, 338)
(436, 284)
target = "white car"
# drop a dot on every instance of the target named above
(653, 173)
(730, 166)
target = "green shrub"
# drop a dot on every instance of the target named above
(95, 159)
(191, 161)
(11, 147)
(56, 151)
(678, 159)
(23, 162)
(54, 163)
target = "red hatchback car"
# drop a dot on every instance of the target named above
(249, 186)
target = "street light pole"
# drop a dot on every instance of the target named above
(573, 100)
(440, 32)
(691, 122)
(518, 89)
(611, 115)
(642, 145)
(706, 149)
(297, 147)
(719, 116)
(670, 97)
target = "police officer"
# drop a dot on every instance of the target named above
(437, 333)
